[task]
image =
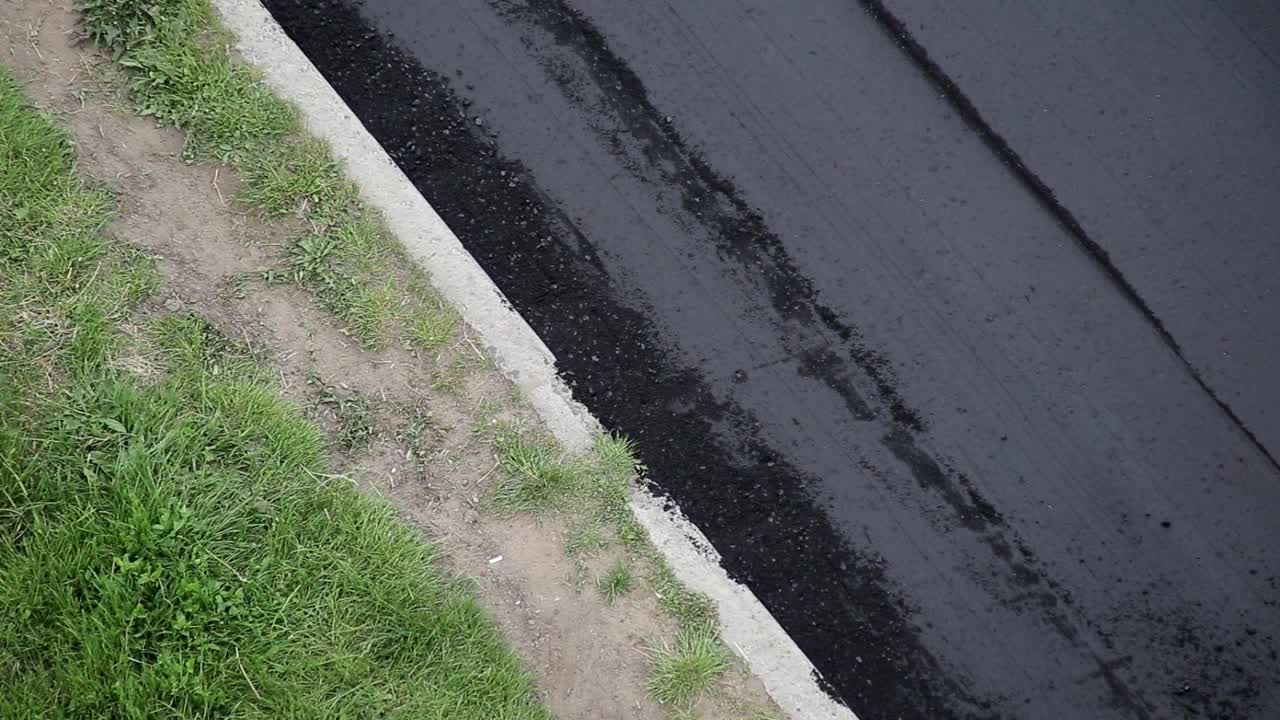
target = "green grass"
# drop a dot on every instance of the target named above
(585, 539)
(353, 414)
(617, 456)
(615, 583)
(431, 326)
(539, 477)
(685, 670)
(693, 611)
(299, 178)
(178, 547)
(324, 261)
(760, 714)
(55, 307)
(179, 72)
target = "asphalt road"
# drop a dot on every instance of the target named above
(952, 326)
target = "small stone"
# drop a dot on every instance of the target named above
(173, 304)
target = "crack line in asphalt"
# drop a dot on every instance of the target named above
(919, 55)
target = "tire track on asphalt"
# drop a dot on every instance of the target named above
(919, 55)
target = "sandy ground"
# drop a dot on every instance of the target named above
(423, 454)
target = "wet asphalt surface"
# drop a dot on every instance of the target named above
(952, 325)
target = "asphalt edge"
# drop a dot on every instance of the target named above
(749, 628)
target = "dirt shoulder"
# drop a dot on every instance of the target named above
(413, 422)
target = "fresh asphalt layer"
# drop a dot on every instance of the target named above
(951, 326)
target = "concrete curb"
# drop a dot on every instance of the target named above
(745, 624)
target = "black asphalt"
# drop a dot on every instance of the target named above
(952, 325)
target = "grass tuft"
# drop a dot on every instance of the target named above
(617, 456)
(585, 539)
(615, 583)
(431, 326)
(368, 307)
(226, 110)
(370, 310)
(301, 178)
(538, 478)
(193, 348)
(353, 414)
(693, 611)
(686, 669)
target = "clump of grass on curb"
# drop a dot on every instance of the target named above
(686, 669)
(615, 583)
(176, 547)
(617, 456)
(694, 611)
